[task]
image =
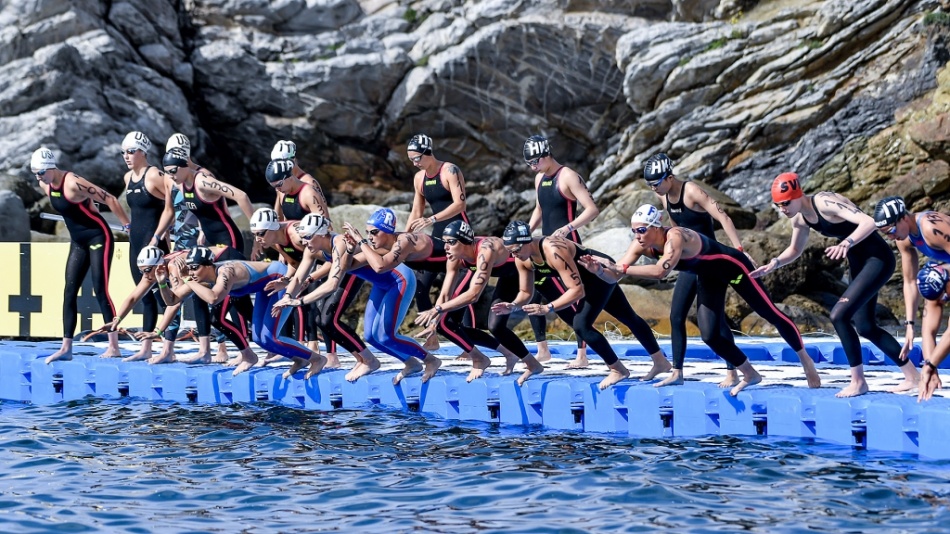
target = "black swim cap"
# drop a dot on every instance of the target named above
(536, 146)
(657, 168)
(888, 211)
(279, 169)
(200, 256)
(175, 157)
(459, 230)
(516, 232)
(420, 143)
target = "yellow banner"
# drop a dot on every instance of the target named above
(31, 290)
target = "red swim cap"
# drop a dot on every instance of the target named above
(786, 187)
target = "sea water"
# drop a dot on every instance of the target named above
(134, 466)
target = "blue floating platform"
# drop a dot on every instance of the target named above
(876, 421)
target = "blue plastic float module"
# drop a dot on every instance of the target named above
(876, 421)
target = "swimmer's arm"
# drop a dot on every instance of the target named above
(699, 196)
(672, 252)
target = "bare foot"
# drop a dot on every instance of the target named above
(164, 357)
(413, 366)
(675, 379)
(906, 385)
(731, 380)
(271, 358)
(220, 357)
(431, 365)
(111, 352)
(854, 389)
(580, 362)
(510, 361)
(60, 355)
(750, 378)
(543, 355)
(659, 366)
(811, 373)
(317, 363)
(199, 358)
(137, 357)
(355, 372)
(613, 377)
(140, 355)
(362, 369)
(333, 361)
(432, 342)
(299, 363)
(245, 362)
(464, 357)
(534, 367)
(480, 362)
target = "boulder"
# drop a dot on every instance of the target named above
(16, 221)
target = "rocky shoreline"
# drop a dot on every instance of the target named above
(851, 95)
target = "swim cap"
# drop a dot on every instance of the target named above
(516, 232)
(136, 140)
(786, 187)
(313, 224)
(932, 280)
(175, 157)
(42, 159)
(647, 214)
(657, 168)
(278, 170)
(264, 219)
(150, 257)
(179, 140)
(536, 146)
(384, 219)
(888, 211)
(459, 230)
(420, 143)
(284, 150)
(201, 256)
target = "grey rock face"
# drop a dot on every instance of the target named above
(16, 221)
(78, 76)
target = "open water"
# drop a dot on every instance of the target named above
(132, 466)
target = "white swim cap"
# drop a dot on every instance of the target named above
(150, 257)
(284, 150)
(647, 214)
(264, 219)
(312, 225)
(179, 140)
(136, 140)
(42, 159)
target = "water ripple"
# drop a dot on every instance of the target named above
(85, 466)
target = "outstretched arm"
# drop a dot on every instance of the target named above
(791, 253)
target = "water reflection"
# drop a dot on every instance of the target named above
(130, 465)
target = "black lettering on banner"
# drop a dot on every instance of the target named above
(25, 302)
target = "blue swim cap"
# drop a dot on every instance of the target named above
(932, 280)
(384, 219)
